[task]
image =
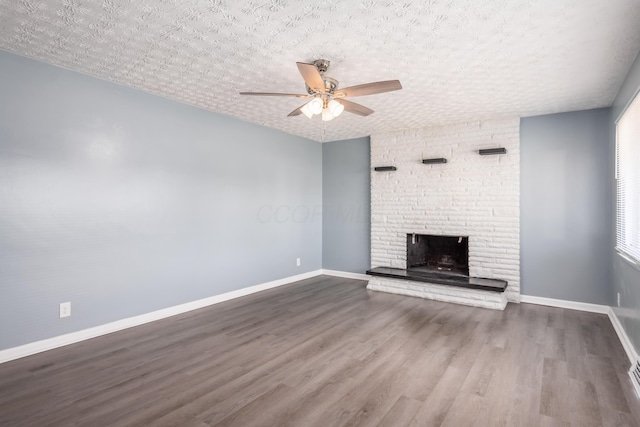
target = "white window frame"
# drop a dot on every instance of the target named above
(627, 176)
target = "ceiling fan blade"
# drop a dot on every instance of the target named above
(311, 76)
(274, 94)
(369, 88)
(296, 112)
(354, 108)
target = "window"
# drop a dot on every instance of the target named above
(628, 182)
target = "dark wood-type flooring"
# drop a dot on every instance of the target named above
(327, 352)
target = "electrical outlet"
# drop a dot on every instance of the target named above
(297, 262)
(65, 309)
(618, 299)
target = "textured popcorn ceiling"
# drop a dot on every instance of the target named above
(457, 59)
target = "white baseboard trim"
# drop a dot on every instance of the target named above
(346, 274)
(572, 305)
(624, 338)
(118, 325)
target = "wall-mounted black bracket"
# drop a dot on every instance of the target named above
(490, 151)
(434, 161)
(384, 168)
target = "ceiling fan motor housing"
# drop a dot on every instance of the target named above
(330, 85)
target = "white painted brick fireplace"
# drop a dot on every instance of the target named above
(470, 195)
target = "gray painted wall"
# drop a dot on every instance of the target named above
(565, 206)
(123, 203)
(346, 181)
(626, 277)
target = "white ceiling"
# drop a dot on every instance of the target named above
(457, 60)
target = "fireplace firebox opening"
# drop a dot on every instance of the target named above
(446, 254)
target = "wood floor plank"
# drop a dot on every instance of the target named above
(614, 418)
(555, 344)
(316, 397)
(436, 407)
(258, 411)
(546, 421)
(583, 403)
(467, 410)
(555, 389)
(486, 366)
(357, 400)
(327, 352)
(401, 413)
(524, 400)
(607, 384)
(380, 399)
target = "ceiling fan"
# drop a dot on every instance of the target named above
(326, 98)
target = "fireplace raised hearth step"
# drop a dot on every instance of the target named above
(455, 288)
(494, 285)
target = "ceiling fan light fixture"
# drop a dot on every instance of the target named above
(306, 110)
(335, 107)
(315, 106)
(327, 115)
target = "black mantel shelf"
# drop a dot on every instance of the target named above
(494, 285)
